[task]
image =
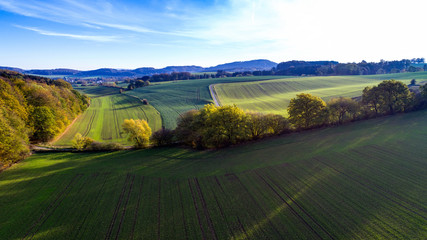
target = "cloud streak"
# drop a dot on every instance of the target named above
(72, 36)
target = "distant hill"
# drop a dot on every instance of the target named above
(253, 65)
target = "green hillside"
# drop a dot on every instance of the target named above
(174, 98)
(364, 180)
(274, 96)
(103, 119)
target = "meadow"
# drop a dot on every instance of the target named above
(363, 180)
(273, 96)
(103, 119)
(177, 97)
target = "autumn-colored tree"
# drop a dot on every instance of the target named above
(306, 111)
(276, 124)
(256, 124)
(223, 126)
(372, 99)
(138, 130)
(396, 96)
(342, 109)
(188, 129)
(43, 123)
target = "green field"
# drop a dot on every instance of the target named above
(103, 119)
(174, 98)
(364, 180)
(97, 91)
(274, 96)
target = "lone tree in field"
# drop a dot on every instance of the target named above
(139, 132)
(306, 110)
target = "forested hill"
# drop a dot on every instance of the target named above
(33, 109)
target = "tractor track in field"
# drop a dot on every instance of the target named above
(221, 211)
(373, 184)
(197, 210)
(289, 206)
(124, 207)
(300, 207)
(205, 209)
(240, 226)
(116, 210)
(182, 211)
(91, 209)
(135, 216)
(51, 208)
(159, 208)
(361, 182)
(258, 206)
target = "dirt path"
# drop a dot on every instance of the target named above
(213, 95)
(65, 131)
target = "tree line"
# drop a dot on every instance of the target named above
(295, 68)
(33, 109)
(222, 126)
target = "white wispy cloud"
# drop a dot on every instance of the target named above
(73, 36)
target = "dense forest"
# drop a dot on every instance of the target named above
(33, 109)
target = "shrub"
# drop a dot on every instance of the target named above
(81, 143)
(98, 146)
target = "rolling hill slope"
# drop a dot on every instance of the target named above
(103, 119)
(174, 98)
(274, 96)
(364, 180)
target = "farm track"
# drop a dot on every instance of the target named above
(366, 185)
(289, 206)
(50, 209)
(137, 209)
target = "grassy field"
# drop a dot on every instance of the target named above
(103, 119)
(274, 96)
(365, 180)
(97, 91)
(174, 98)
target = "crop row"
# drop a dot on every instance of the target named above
(331, 197)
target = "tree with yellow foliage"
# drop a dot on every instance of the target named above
(306, 111)
(139, 132)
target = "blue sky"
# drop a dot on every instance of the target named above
(129, 34)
